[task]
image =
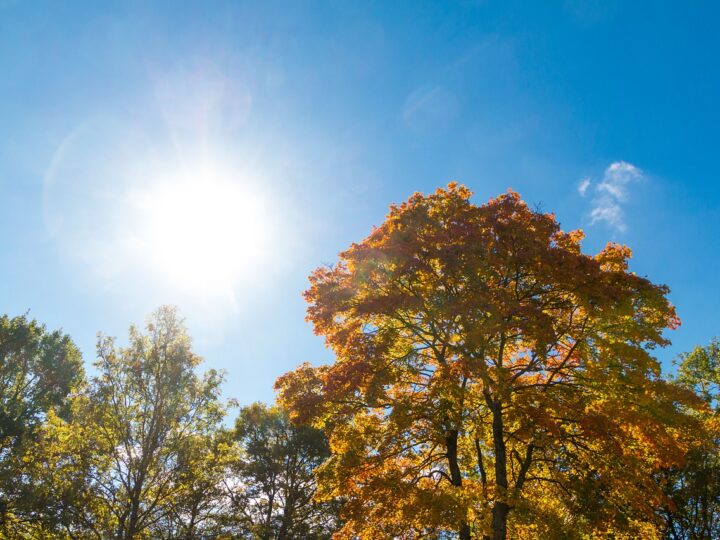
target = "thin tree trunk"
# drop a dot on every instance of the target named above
(456, 476)
(500, 509)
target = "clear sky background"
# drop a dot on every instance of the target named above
(314, 117)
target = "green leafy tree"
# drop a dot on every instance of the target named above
(39, 369)
(700, 371)
(60, 465)
(119, 468)
(203, 506)
(275, 483)
(148, 406)
(694, 489)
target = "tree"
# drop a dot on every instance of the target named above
(39, 369)
(275, 482)
(141, 422)
(700, 371)
(694, 488)
(60, 465)
(202, 508)
(148, 405)
(488, 375)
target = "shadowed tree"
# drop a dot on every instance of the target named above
(275, 485)
(487, 373)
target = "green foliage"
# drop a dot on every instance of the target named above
(276, 477)
(39, 369)
(119, 467)
(202, 506)
(700, 371)
(693, 490)
(148, 408)
(139, 450)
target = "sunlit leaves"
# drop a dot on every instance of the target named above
(485, 365)
(39, 370)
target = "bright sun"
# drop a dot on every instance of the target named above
(204, 234)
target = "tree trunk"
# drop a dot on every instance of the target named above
(132, 521)
(287, 519)
(500, 509)
(456, 475)
(499, 521)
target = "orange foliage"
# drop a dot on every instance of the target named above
(490, 377)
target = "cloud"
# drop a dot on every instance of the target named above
(609, 212)
(611, 193)
(584, 185)
(617, 177)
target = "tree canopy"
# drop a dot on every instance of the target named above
(489, 377)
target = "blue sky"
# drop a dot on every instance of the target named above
(316, 116)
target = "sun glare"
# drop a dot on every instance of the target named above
(203, 234)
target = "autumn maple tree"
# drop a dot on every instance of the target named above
(491, 379)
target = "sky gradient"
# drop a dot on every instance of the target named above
(321, 114)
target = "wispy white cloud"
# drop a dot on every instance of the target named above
(617, 177)
(584, 185)
(611, 193)
(610, 212)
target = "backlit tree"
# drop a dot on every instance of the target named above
(489, 377)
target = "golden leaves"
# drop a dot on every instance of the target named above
(483, 359)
